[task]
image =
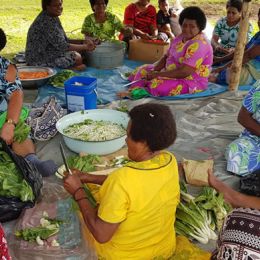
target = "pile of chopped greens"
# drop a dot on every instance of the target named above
(198, 217)
(94, 130)
(59, 79)
(21, 131)
(12, 183)
(47, 228)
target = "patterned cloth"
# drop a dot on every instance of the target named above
(196, 53)
(47, 44)
(250, 71)
(142, 197)
(243, 154)
(239, 238)
(6, 88)
(140, 20)
(103, 31)
(228, 34)
(4, 255)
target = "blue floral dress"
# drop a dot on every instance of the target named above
(6, 88)
(243, 154)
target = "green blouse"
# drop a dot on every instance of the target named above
(103, 31)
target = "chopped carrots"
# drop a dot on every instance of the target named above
(33, 75)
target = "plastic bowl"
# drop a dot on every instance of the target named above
(34, 83)
(99, 148)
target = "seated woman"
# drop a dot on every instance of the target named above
(243, 154)
(47, 44)
(101, 25)
(167, 21)
(251, 63)
(140, 19)
(4, 253)
(135, 218)
(11, 101)
(226, 30)
(186, 66)
(239, 237)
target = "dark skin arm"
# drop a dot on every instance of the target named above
(236, 199)
(100, 229)
(246, 120)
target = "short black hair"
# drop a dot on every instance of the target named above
(45, 3)
(92, 3)
(2, 39)
(236, 4)
(162, 1)
(154, 124)
(194, 13)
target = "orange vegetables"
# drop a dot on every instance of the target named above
(33, 74)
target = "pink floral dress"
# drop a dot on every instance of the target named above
(196, 53)
(4, 255)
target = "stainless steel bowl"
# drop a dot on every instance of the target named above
(35, 83)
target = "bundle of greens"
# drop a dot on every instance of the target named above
(198, 217)
(11, 182)
(21, 131)
(59, 79)
(48, 227)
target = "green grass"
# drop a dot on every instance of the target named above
(17, 15)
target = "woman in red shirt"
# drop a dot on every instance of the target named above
(140, 19)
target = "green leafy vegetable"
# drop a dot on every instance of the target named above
(59, 79)
(11, 182)
(21, 131)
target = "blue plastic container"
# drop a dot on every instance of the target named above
(81, 93)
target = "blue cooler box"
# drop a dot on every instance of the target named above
(81, 93)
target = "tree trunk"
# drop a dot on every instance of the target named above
(236, 66)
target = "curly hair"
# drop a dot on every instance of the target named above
(194, 13)
(45, 3)
(93, 2)
(2, 39)
(153, 124)
(235, 3)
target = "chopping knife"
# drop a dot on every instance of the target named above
(132, 82)
(64, 159)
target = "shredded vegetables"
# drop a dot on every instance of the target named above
(33, 75)
(91, 130)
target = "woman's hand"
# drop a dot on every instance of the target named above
(152, 75)
(7, 133)
(71, 183)
(89, 45)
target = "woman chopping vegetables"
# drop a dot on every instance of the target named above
(136, 214)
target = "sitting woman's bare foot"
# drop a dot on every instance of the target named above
(213, 77)
(123, 94)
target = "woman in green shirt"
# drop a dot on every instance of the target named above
(101, 25)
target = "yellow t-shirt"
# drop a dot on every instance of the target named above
(142, 197)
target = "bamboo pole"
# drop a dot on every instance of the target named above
(236, 66)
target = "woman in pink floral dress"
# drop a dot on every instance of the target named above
(186, 66)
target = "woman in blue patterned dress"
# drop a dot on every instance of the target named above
(243, 154)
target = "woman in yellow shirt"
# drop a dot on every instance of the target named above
(135, 218)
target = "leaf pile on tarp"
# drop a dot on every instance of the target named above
(59, 79)
(12, 183)
(199, 217)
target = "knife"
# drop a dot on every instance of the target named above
(64, 159)
(132, 82)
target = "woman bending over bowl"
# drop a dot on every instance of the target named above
(186, 66)
(136, 214)
(226, 30)
(47, 43)
(101, 25)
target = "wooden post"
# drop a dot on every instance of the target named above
(236, 66)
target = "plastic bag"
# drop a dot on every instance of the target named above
(10, 207)
(58, 204)
(250, 184)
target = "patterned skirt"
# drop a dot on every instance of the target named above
(239, 238)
